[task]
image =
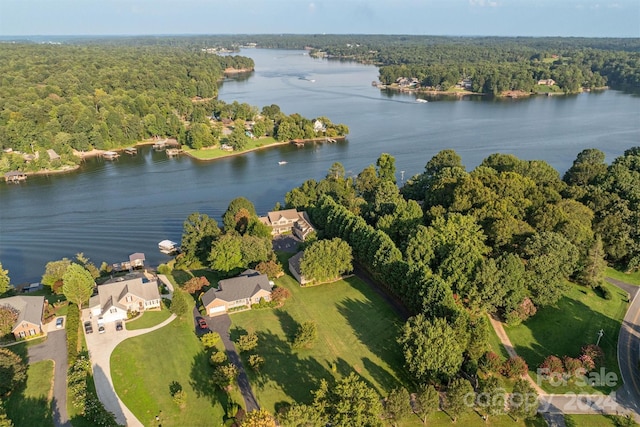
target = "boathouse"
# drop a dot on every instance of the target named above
(15, 176)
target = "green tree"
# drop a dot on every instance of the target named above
(88, 265)
(225, 375)
(247, 342)
(431, 348)
(226, 253)
(326, 259)
(237, 138)
(491, 398)
(229, 219)
(8, 318)
(210, 339)
(397, 406)
(594, 265)
(523, 401)
(444, 159)
(53, 272)
(460, 398)
(4, 280)
(587, 168)
(300, 415)
(4, 420)
(306, 335)
(351, 402)
(13, 371)
(427, 402)
(77, 284)
(258, 418)
(386, 164)
(199, 232)
(179, 303)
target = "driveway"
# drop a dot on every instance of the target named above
(100, 347)
(221, 325)
(55, 348)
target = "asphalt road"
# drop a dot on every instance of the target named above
(55, 348)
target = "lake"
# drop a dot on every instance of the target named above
(110, 209)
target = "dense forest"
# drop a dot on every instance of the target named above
(492, 64)
(504, 239)
(75, 98)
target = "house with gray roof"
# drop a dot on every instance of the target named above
(294, 268)
(30, 310)
(288, 220)
(237, 293)
(136, 292)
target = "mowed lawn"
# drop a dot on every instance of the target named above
(148, 319)
(357, 331)
(574, 322)
(143, 368)
(30, 404)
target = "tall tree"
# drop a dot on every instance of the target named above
(386, 164)
(594, 265)
(426, 402)
(431, 348)
(491, 398)
(5, 281)
(8, 318)
(199, 232)
(523, 402)
(326, 259)
(587, 168)
(77, 284)
(258, 418)
(226, 253)
(460, 398)
(229, 217)
(54, 270)
(13, 371)
(397, 407)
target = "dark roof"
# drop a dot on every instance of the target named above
(244, 286)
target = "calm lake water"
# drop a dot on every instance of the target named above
(109, 210)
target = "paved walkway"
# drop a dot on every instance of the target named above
(55, 348)
(221, 325)
(100, 348)
(622, 402)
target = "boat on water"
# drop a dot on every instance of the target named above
(168, 247)
(422, 101)
(283, 162)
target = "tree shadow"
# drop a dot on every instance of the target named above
(201, 381)
(380, 375)
(29, 411)
(288, 324)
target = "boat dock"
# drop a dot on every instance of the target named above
(15, 176)
(132, 151)
(174, 151)
(110, 155)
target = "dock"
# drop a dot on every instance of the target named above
(110, 155)
(160, 145)
(174, 151)
(132, 151)
(15, 176)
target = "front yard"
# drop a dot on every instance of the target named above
(357, 331)
(30, 405)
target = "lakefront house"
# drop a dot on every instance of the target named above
(135, 292)
(288, 221)
(30, 311)
(237, 293)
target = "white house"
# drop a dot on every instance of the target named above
(288, 220)
(134, 292)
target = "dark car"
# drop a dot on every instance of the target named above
(101, 329)
(59, 322)
(87, 327)
(202, 323)
(119, 326)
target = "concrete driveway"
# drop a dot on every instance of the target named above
(100, 348)
(55, 348)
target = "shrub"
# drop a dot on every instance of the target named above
(195, 284)
(552, 367)
(72, 327)
(256, 361)
(280, 295)
(218, 358)
(164, 269)
(604, 292)
(572, 366)
(587, 362)
(306, 335)
(515, 367)
(522, 312)
(490, 362)
(225, 375)
(247, 342)
(271, 268)
(595, 353)
(210, 339)
(180, 398)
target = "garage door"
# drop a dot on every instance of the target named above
(216, 310)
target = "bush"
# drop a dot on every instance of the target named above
(604, 292)
(72, 327)
(180, 398)
(572, 366)
(515, 367)
(164, 269)
(306, 335)
(218, 358)
(256, 361)
(280, 295)
(490, 362)
(552, 367)
(595, 353)
(210, 339)
(247, 342)
(587, 362)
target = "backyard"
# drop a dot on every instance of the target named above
(30, 404)
(563, 329)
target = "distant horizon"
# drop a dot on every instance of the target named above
(448, 18)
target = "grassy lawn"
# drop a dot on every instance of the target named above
(632, 278)
(148, 319)
(591, 420)
(143, 367)
(357, 331)
(30, 405)
(564, 329)
(473, 419)
(216, 153)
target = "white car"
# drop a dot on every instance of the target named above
(59, 322)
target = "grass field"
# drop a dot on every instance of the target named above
(143, 368)
(30, 405)
(357, 331)
(633, 278)
(217, 153)
(563, 329)
(148, 319)
(473, 419)
(591, 421)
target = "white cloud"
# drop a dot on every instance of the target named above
(312, 7)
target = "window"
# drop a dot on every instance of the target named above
(113, 311)
(129, 298)
(32, 332)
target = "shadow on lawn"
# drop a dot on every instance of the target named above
(564, 329)
(295, 374)
(28, 411)
(202, 381)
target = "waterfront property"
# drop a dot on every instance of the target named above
(168, 247)
(30, 311)
(288, 220)
(135, 292)
(238, 292)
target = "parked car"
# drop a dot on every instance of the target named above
(59, 322)
(119, 326)
(202, 323)
(101, 329)
(88, 329)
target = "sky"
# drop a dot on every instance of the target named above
(567, 18)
